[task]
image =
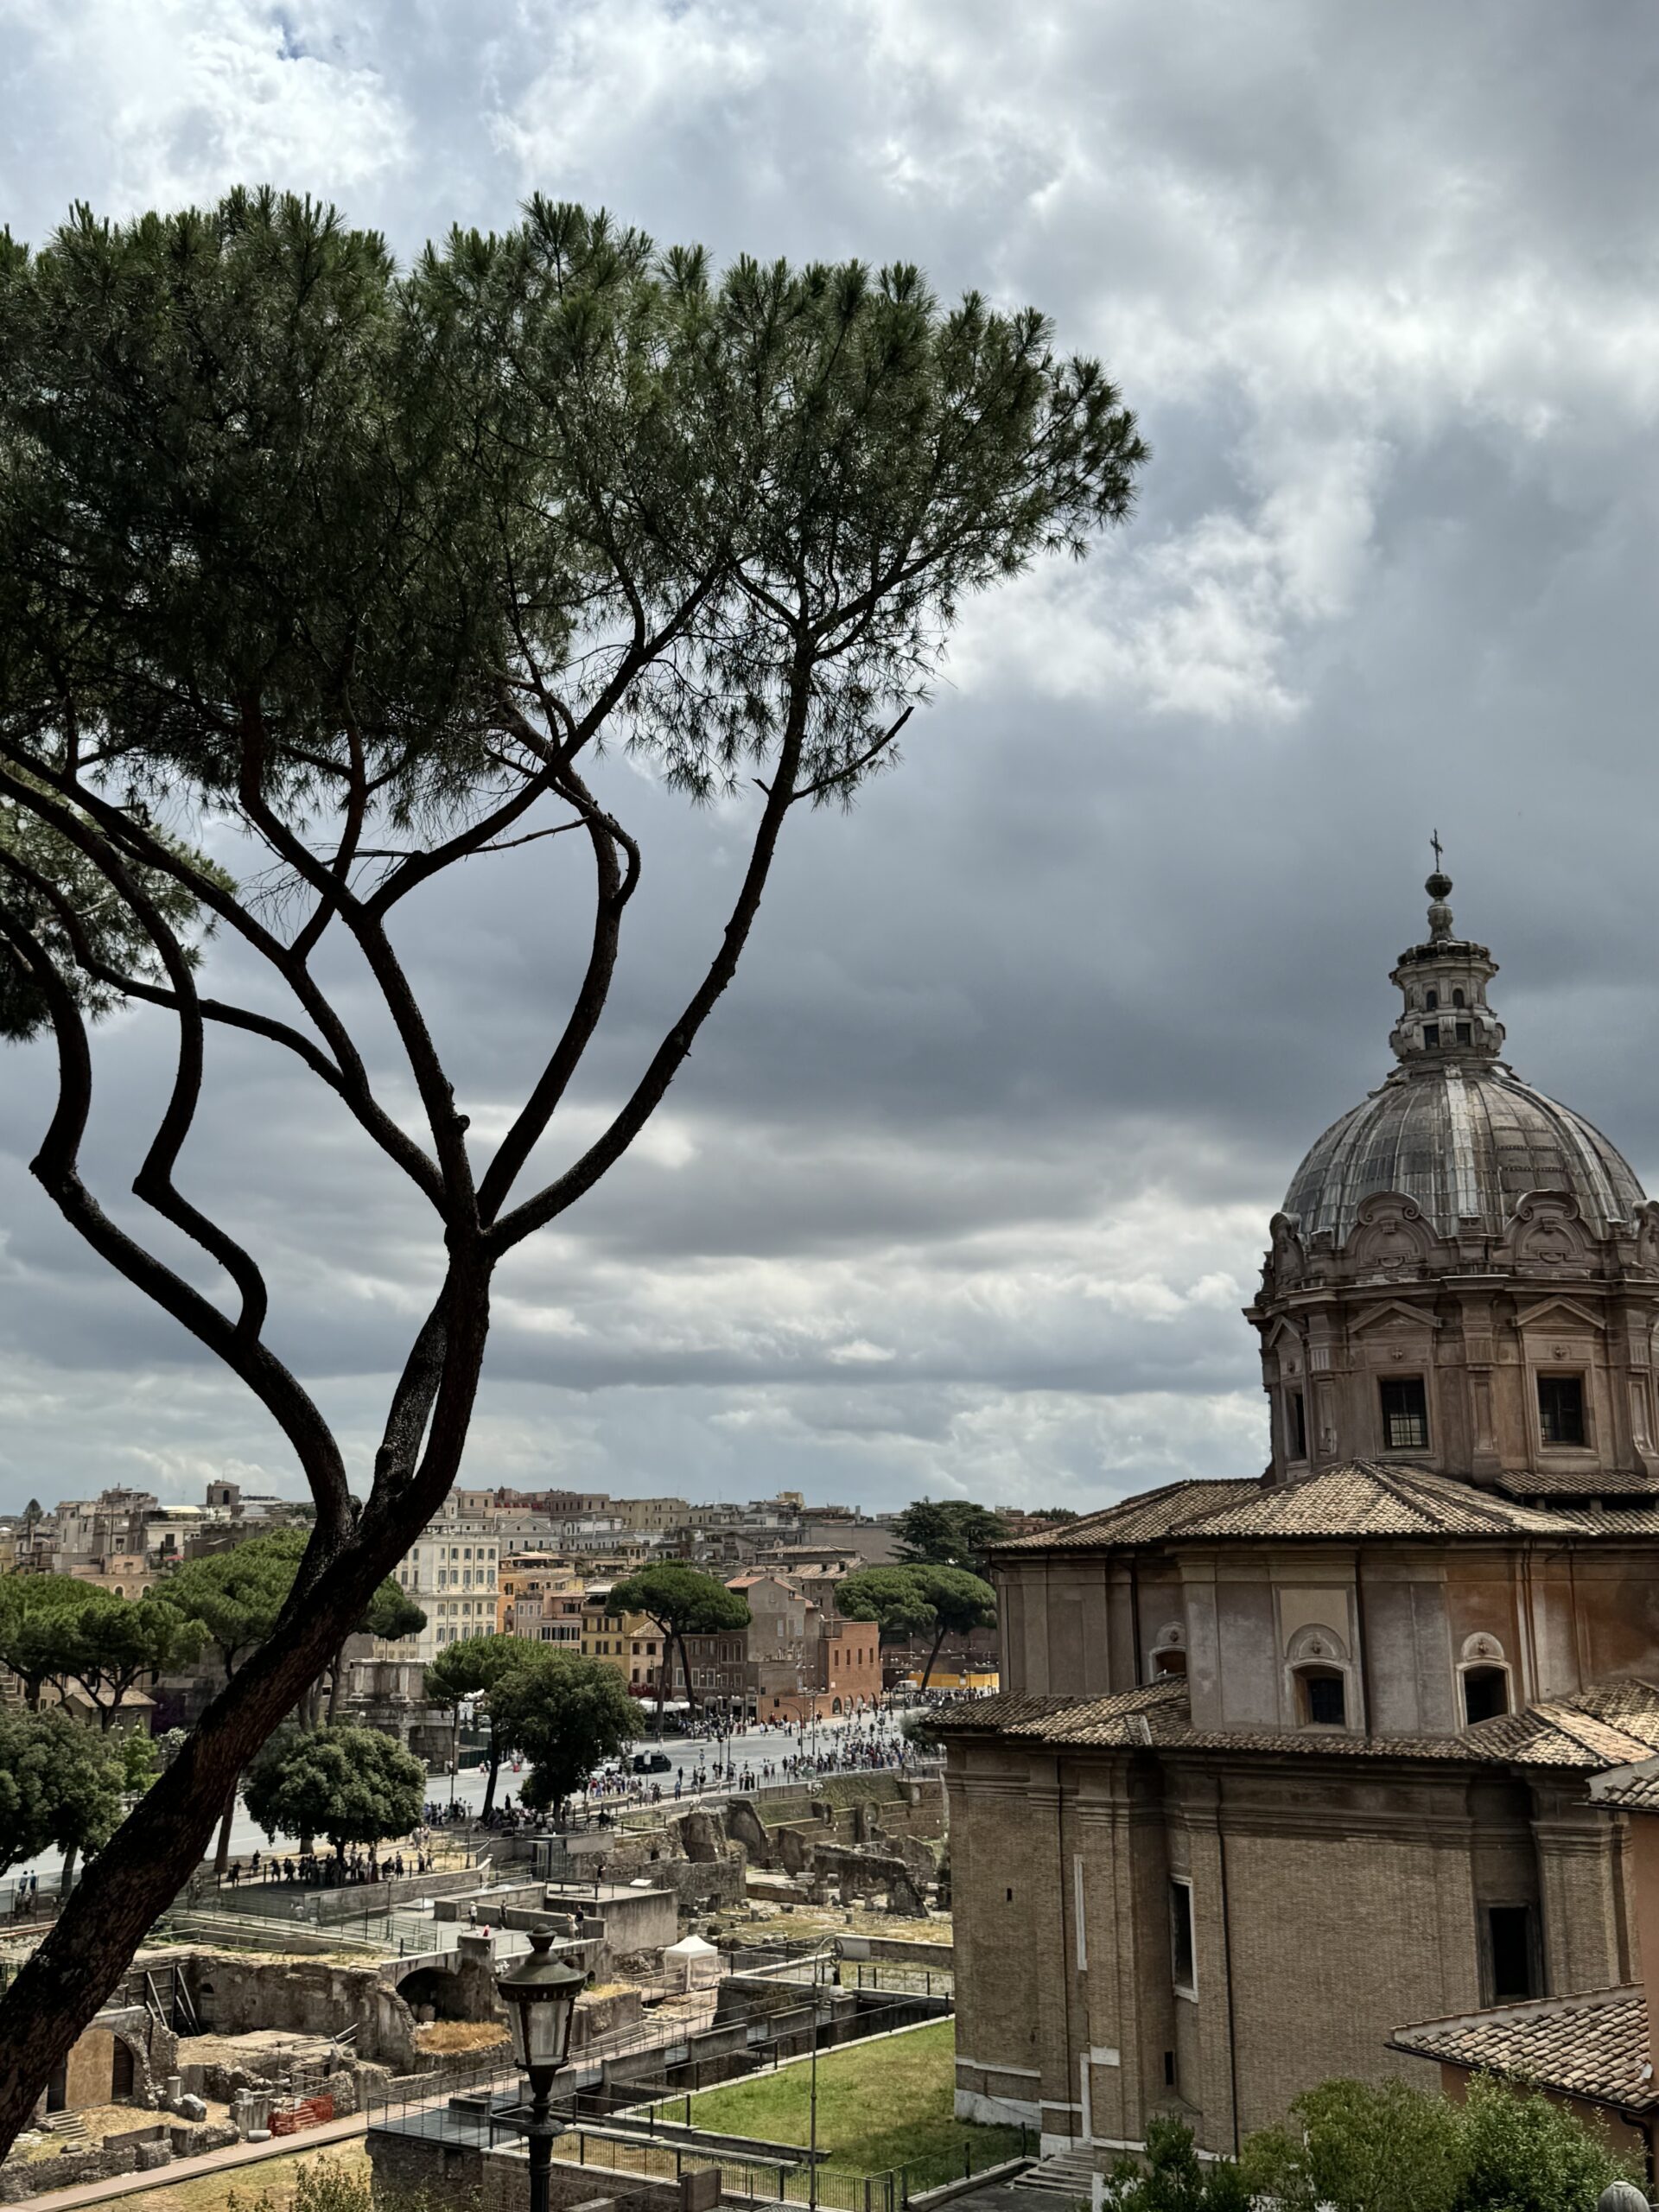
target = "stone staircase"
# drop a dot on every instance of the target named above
(1068, 2175)
(69, 2127)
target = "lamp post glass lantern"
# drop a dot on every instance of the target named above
(540, 1995)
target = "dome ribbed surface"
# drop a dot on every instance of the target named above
(1467, 1143)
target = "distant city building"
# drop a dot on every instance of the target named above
(451, 1572)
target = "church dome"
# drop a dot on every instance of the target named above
(1453, 1128)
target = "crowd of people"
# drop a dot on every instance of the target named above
(331, 1870)
(862, 1742)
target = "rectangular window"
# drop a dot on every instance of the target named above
(1181, 1962)
(1560, 1408)
(1324, 1699)
(1466, 1032)
(1509, 1928)
(1298, 1425)
(1432, 1034)
(1405, 1413)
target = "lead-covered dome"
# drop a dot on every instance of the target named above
(1453, 1128)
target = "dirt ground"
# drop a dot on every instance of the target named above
(812, 1920)
(100, 2121)
(260, 2049)
(274, 2178)
(448, 2035)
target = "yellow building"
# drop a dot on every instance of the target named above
(629, 1642)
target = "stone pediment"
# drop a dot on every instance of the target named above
(1567, 1309)
(1392, 1313)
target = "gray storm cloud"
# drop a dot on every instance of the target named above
(965, 1186)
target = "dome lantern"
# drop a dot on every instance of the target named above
(1465, 1274)
(1443, 981)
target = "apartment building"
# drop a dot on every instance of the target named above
(631, 1642)
(540, 1599)
(451, 1572)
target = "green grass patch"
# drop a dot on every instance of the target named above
(881, 2104)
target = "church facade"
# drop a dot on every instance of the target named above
(1282, 1764)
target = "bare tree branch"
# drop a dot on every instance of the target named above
(671, 1055)
(56, 1166)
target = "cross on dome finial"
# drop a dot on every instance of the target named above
(1439, 887)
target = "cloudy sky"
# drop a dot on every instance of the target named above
(970, 1175)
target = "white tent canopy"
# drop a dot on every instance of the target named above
(701, 1960)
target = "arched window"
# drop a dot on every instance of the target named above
(1169, 1649)
(1485, 1680)
(1431, 1000)
(1318, 1678)
(1457, 999)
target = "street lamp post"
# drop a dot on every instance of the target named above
(832, 1945)
(540, 1995)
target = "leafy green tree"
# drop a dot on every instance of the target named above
(378, 564)
(114, 1643)
(61, 1788)
(352, 1785)
(37, 1631)
(566, 1713)
(948, 1532)
(1361, 2146)
(909, 1601)
(1173, 2177)
(1521, 2153)
(682, 1601)
(57, 1630)
(892, 1597)
(141, 1760)
(472, 1667)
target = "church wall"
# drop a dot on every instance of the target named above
(996, 1865)
(1347, 1907)
(1619, 1600)
(1330, 1900)
(1249, 1668)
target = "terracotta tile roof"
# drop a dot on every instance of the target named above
(1144, 1519)
(1594, 2046)
(1630, 1789)
(992, 1716)
(1612, 1723)
(1605, 1482)
(1363, 1497)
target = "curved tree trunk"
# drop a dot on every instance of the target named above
(336, 1684)
(497, 1753)
(159, 1845)
(222, 1855)
(931, 1657)
(686, 1670)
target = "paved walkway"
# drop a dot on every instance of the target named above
(211, 2162)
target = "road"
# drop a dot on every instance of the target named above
(753, 1747)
